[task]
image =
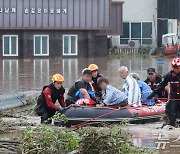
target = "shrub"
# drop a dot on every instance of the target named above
(48, 140)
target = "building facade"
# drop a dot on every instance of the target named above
(48, 28)
(168, 18)
(139, 23)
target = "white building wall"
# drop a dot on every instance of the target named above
(138, 11)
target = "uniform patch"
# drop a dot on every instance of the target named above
(49, 96)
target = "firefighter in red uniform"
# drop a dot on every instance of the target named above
(46, 107)
(95, 75)
(173, 105)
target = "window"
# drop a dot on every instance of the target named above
(10, 45)
(41, 45)
(135, 30)
(125, 36)
(141, 31)
(146, 32)
(70, 44)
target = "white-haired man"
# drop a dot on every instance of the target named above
(130, 87)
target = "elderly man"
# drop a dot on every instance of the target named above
(130, 87)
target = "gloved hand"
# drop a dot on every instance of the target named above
(151, 95)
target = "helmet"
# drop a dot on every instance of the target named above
(58, 78)
(93, 67)
(175, 63)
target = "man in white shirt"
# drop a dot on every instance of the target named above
(130, 87)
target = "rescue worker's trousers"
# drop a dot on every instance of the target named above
(45, 112)
(172, 111)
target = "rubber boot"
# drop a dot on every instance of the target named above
(172, 121)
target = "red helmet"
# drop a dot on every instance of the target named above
(176, 63)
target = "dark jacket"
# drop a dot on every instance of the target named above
(94, 84)
(174, 80)
(50, 95)
(153, 85)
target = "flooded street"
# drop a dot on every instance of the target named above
(33, 74)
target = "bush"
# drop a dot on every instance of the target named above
(48, 140)
(108, 140)
(144, 49)
(85, 140)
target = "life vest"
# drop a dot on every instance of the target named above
(153, 85)
(94, 84)
(175, 84)
(72, 91)
(175, 87)
(55, 94)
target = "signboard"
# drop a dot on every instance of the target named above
(55, 14)
(33, 10)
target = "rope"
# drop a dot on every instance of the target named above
(105, 114)
(92, 119)
(100, 116)
(170, 99)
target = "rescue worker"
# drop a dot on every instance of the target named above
(153, 80)
(80, 87)
(111, 95)
(130, 87)
(145, 90)
(46, 107)
(172, 77)
(95, 75)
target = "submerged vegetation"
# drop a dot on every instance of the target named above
(84, 140)
(48, 140)
(43, 139)
(142, 50)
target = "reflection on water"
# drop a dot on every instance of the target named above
(33, 74)
(150, 135)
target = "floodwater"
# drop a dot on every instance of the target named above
(33, 74)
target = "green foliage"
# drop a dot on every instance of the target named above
(48, 140)
(95, 140)
(108, 140)
(57, 117)
(144, 49)
(60, 117)
(31, 101)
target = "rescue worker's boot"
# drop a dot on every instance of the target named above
(172, 121)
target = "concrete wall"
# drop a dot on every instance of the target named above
(140, 10)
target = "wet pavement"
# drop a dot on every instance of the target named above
(32, 74)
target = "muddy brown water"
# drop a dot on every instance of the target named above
(32, 74)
